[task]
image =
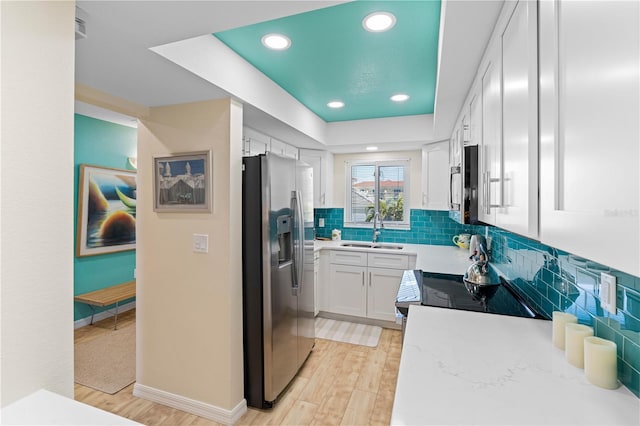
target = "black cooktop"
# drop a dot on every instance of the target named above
(450, 291)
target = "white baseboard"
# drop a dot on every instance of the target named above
(104, 314)
(192, 406)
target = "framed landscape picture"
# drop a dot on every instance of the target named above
(182, 182)
(106, 210)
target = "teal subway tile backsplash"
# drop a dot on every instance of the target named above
(549, 279)
(427, 227)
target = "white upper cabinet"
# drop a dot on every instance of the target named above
(589, 132)
(255, 143)
(435, 176)
(508, 128)
(518, 182)
(283, 149)
(491, 142)
(322, 164)
(475, 118)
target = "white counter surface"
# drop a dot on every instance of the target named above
(440, 259)
(460, 367)
(48, 408)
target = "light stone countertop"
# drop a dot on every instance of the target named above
(432, 258)
(47, 408)
(460, 367)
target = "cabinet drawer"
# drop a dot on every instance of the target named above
(394, 261)
(348, 258)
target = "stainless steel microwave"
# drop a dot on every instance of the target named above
(463, 191)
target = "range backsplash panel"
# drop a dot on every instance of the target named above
(549, 279)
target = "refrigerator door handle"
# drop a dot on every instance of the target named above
(298, 223)
(298, 245)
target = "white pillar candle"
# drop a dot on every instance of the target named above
(560, 320)
(574, 343)
(601, 362)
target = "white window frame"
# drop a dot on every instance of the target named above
(406, 163)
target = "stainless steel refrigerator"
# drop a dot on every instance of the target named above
(278, 294)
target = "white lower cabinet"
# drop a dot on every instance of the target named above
(347, 290)
(382, 289)
(316, 283)
(322, 296)
(358, 289)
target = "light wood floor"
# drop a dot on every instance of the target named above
(339, 384)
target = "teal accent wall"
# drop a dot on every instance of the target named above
(548, 278)
(100, 143)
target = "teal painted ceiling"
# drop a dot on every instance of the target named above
(332, 57)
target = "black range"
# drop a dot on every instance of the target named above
(450, 291)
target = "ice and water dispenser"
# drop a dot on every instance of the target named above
(284, 228)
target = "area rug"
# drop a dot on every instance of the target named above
(348, 332)
(108, 362)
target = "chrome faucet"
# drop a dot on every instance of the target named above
(376, 232)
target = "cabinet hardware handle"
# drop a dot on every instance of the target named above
(362, 278)
(488, 182)
(369, 279)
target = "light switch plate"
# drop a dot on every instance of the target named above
(608, 292)
(321, 222)
(200, 243)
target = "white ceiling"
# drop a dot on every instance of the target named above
(116, 58)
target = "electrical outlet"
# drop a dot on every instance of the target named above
(608, 292)
(321, 222)
(200, 243)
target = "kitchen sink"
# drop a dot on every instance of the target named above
(358, 245)
(387, 246)
(372, 245)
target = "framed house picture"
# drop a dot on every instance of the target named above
(182, 182)
(106, 210)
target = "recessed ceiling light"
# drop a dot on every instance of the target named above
(377, 22)
(335, 104)
(399, 97)
(276, 41)
(372, 148)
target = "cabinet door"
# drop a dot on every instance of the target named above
(475, 120)
(254, 147)
(589, 133)
(347, 290)
(519, 207)
(290, 151)
(435, 176)
(277, 147)
(323, 281)
(382, 292)
(455, 148)
(384, 260)
(316, 284)
(491, 152)
(348, 257)
(322, 164)
(315, 161)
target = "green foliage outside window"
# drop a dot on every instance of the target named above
(390, 210)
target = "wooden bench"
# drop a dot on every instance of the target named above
(108, 296)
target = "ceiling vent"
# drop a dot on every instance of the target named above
(81, 31)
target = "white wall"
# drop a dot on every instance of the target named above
(189, 305)
(36, 198)
(415, 175)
